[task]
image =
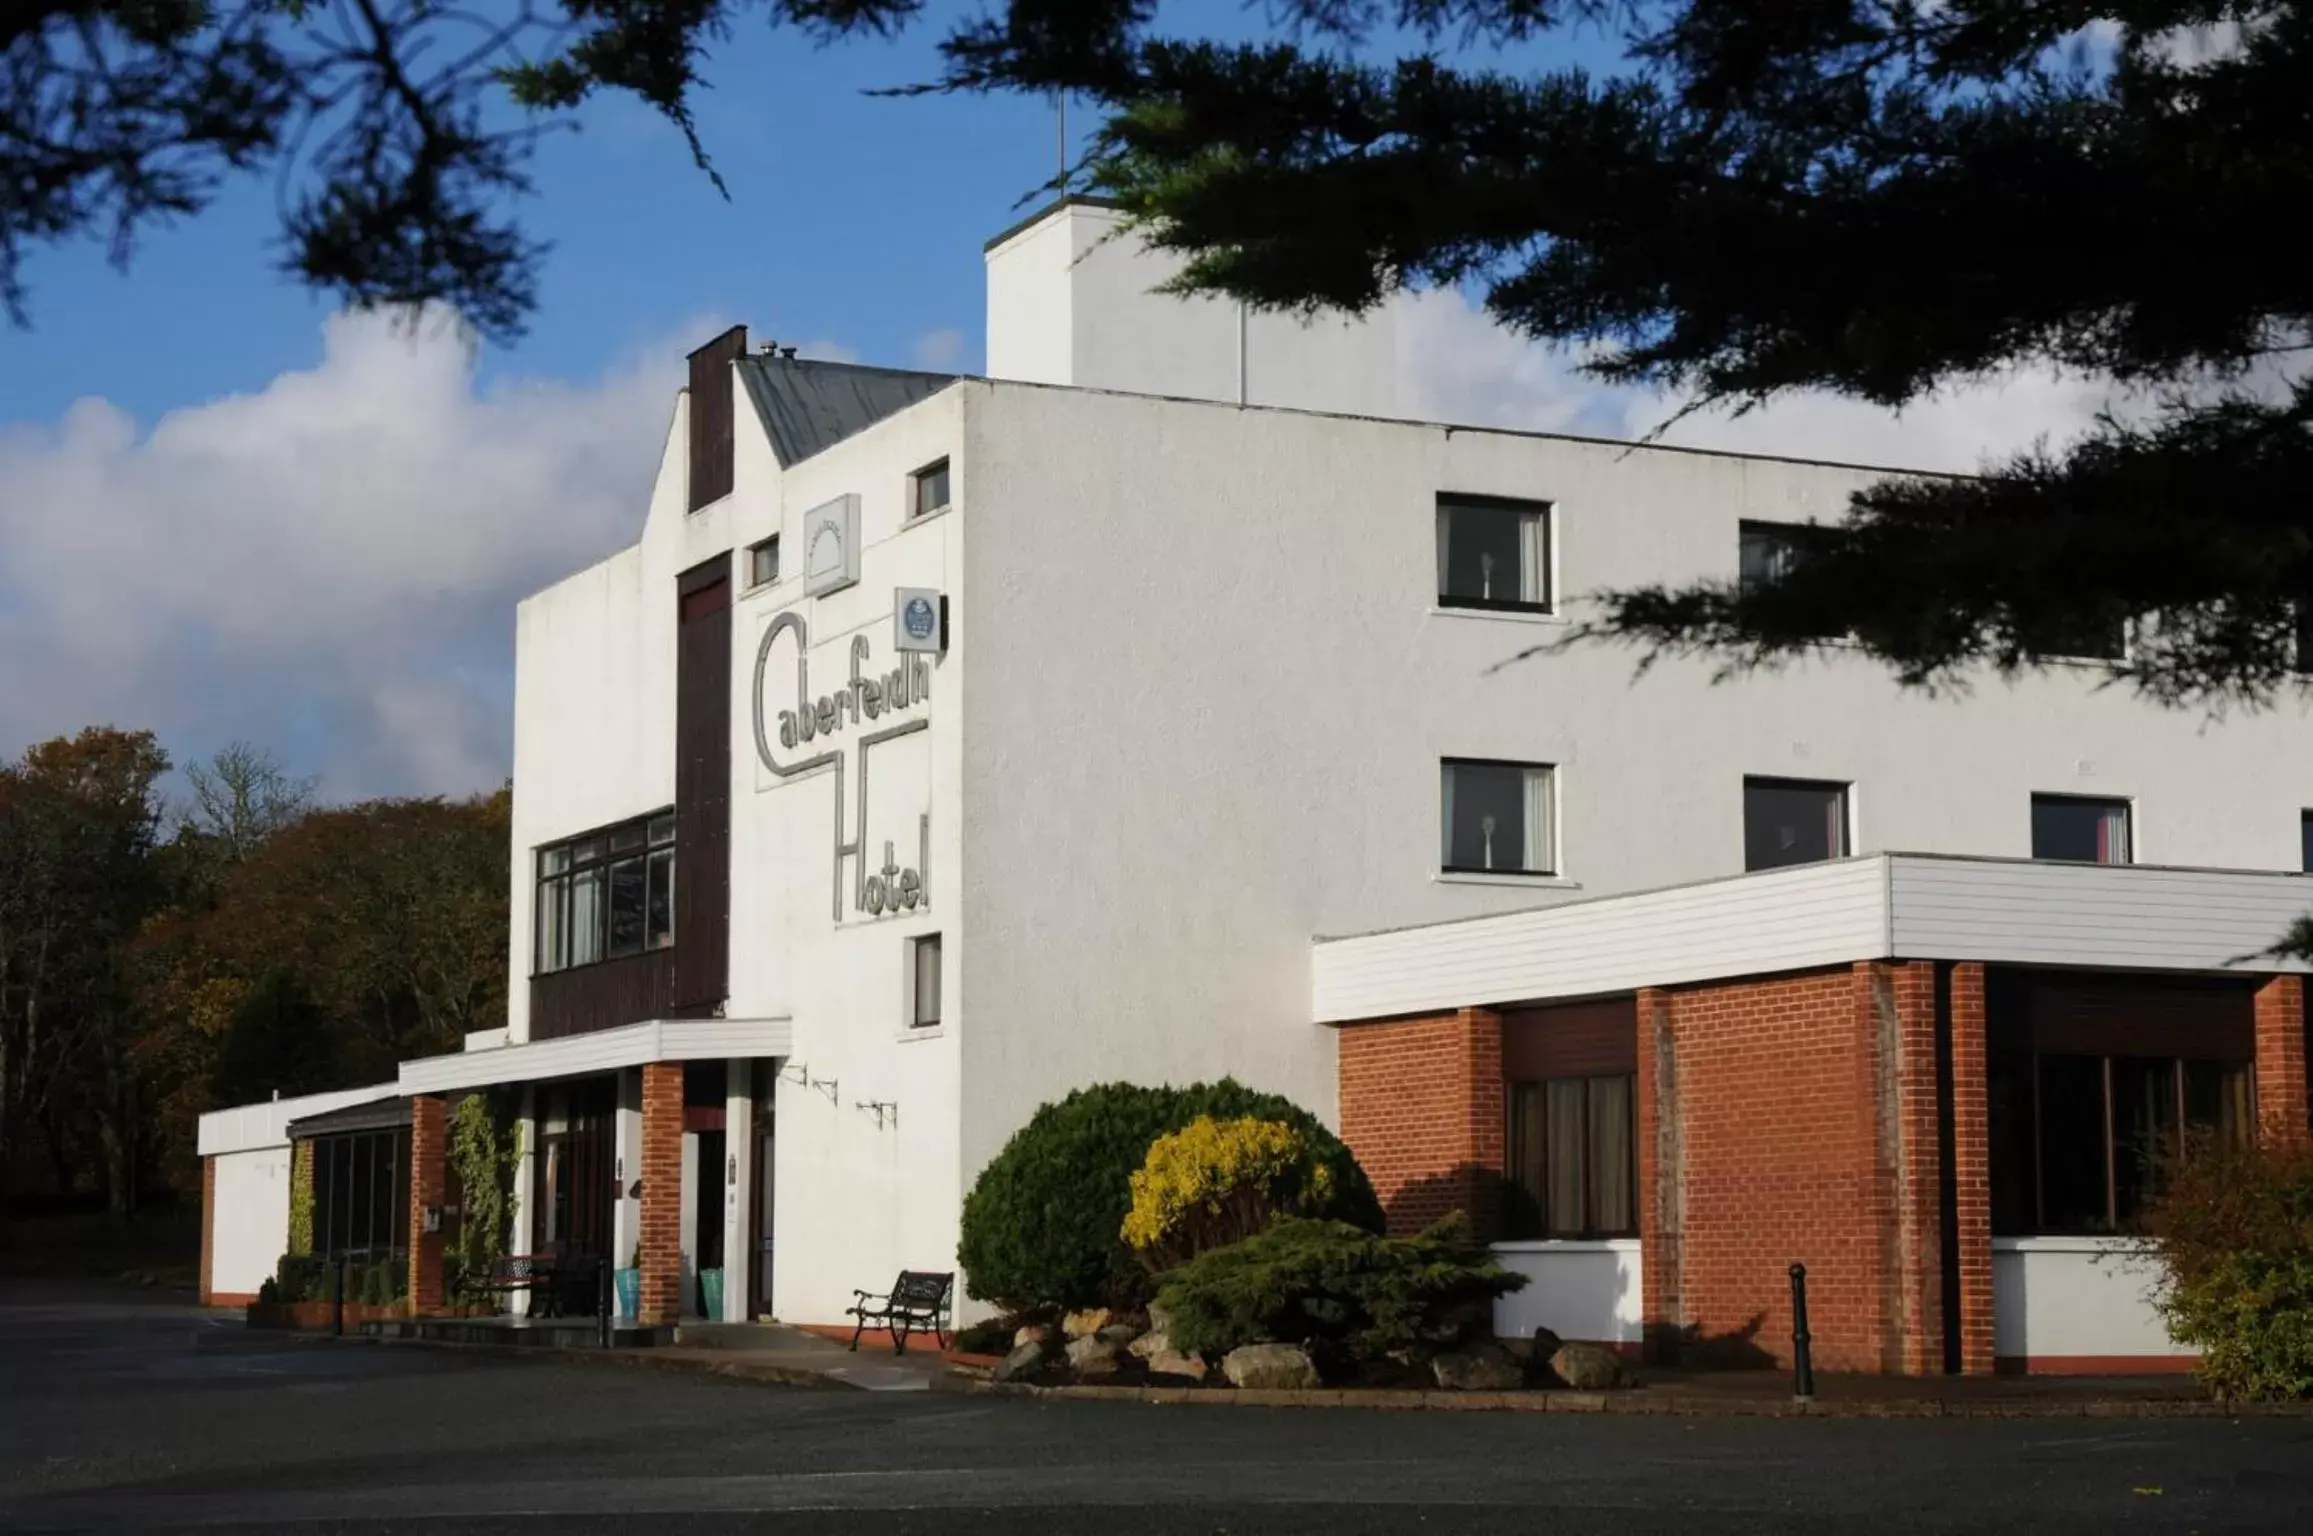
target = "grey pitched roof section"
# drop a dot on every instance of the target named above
(807, 406)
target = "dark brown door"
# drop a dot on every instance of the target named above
(759, 1228)
(703, 789)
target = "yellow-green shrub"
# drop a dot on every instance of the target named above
(1215, 1182)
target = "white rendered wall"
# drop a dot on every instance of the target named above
(1586, 1291)
(250, 1219)
(1210, 688)
(1072, 300)
(2056, 1299)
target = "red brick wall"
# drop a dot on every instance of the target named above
(429, 1184)
(1421, 1107)
(1971, 1166)
(208, 1224)
(2280, 1011)
(662, 1194)
(1781, 1161)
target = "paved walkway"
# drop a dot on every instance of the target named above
(775, 1352)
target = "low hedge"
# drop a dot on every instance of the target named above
(1041, 1227)
(1342, 1291)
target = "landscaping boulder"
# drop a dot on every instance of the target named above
(1080, 1325)
(1023, 1362)
(1119, 1334)
(1154, 1342)
(1035, 1333)
(1171, 1362)
(1269, 1365)
(1588, 1368)
(1092, 1355)
(1159, 1320)
(1544, 1346)
(1481, 1368)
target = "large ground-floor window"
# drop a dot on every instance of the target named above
(361, 1192)
(2095, 1086)
(1572, 1159)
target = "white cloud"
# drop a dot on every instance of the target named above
(939, 351)
(1457, 365)
(327, 566)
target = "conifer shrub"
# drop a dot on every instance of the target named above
(2232, 1231)
(1348, 1294)
(1042, 1225)
(1215, 1182)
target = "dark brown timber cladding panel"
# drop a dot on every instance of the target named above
(703, 786)
(711, 407)
(2131, 1016)
(1570, 1040)
(603, 995)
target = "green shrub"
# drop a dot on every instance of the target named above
(1215, 1182)
(1041, 1225)
(1346, 1292)
(303, 1277)
(381, 1283)
(2233, 1233)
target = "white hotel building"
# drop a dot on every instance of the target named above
(1152, 710)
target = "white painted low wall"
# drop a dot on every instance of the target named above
(1577, 1290)
(251, 1217)
(2078, 1299)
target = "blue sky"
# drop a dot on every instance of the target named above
(312, 531)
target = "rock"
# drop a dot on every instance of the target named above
(1269, 1365)
(1119, 1334)
(1544, 1346)
(1171, 1362)
(1588, 1368)
(1155, 1342)
(1080, 1325)
(1092, 1356)
(1026, 1360)
(1481, 1368)
(1159, 1320)
(1034, 1333)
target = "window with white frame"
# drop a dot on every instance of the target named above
(2081, 829)
(763, 562)
(928, 490)
(1497, 818)
(924, 981)
(1494, 553)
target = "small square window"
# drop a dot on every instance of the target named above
(2080, 829)
(1497, 818)
(1769, 552)
(924, 981)
(763, 562)
(1493, 553)
(1792, 821)
(928, 490)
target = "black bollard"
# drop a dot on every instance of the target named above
(602, 1302)
(1802, 1358)
(337, 1296)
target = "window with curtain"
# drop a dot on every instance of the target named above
(2079, 1139)
(1497, 818)
(1572, 1146)
(1792, 821)
(924, 981)
(928, 490)
(607, 895)
(2080, 829)
(1493, 553)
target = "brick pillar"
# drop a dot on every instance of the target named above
(429, 1186)
(1660, 1185)
(208, 1227)
(1972, 1165)
(2281, 1107)
(1421, 1107)
(662, 1194)
(1917, 1273)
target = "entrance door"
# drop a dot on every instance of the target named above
(759, 1271)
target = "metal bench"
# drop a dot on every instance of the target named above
(916, 1303)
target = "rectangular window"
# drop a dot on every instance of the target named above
(2305, 841)
(1769, 552)
(607, 895)
(2099, 1128)
(763, 562)
(1573, 1158)
(2080, 829)
(1493, 553)
(924, 981)
(360, 1192)
(928, 490)
(2084, 640)
(1497, 818)
(1792, 821)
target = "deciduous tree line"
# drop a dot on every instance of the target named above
(163, 953)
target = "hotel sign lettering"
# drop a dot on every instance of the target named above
(862, 710)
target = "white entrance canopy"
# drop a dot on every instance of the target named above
(605, 1050)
